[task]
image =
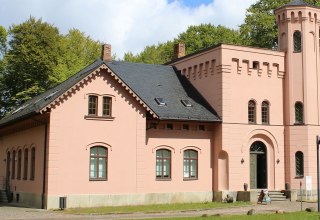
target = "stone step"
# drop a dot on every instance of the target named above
(276, 196)
(3, 196)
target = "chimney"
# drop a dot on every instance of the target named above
(106, 53)
(179, 51)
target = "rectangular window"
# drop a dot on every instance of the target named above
(93, 105)
(185, 127)
(170, 126)
(107, 103)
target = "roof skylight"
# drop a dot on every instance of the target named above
(160, 101)
(186, 102)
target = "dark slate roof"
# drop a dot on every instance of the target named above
(298, 3)
(145, 80)
(160, 81)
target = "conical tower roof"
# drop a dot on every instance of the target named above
(298, 3)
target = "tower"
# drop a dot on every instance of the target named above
(298, 36)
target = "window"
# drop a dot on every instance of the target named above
(98, 163)
(160, 101)
(297, 41)
(186, 102)
(163, 164)
(190, 164)
(265, 112)
(185, 127)
(299, 112)
(19, 165)
(252, 112)
(25, 164)
(13, 166)
(201, 128)
(8, 164)
(170, 126)
(299, 164)
(93, 105)
(106, 106)
(33, 163)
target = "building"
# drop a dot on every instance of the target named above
(197, 129)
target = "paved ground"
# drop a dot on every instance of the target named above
(10, 212)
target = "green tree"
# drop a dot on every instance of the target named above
(30, 58)
(196, 37)
(37, 57)
(259, 28)
(76, 51)
(201, 36)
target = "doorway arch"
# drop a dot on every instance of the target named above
(258, 165)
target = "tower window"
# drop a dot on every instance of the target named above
(299, 112)
(265, 112)
(299, 164)
(297, 41)
(252, 112)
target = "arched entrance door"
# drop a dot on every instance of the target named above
(258, 165)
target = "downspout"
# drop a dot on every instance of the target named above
(44, 166)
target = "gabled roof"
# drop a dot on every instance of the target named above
(145, 81)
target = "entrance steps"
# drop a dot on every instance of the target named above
(3, 196)
(276, 196)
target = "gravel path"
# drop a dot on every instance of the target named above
(10, 212)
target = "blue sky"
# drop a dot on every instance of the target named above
(195, 3)
(128, 25)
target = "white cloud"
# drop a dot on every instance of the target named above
(129, 25)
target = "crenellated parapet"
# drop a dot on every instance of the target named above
(261, 68)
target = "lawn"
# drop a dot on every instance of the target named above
(286, 216)
(154, 208)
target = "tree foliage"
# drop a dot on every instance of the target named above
(196, 37)
(37, 57)
(259, 28)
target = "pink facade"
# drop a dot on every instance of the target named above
(268, 102)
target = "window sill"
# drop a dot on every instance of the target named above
(101, 179)
(299, 177)
(163, 179)
(99, 118)
(190, 179)
(298, 123)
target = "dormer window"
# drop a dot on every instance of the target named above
(160, 101)
(186, 103)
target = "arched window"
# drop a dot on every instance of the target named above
(190, 164)
(25, 163)
(13, 168)
(33, 163)
(98, 163)
(297, 41)
(265, 112)
(19, 165)
(252, 112)
(299, 164)
(8, 164)
(163, 164)
(299, 112)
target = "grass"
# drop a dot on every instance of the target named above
(154, 208)
(286, 216)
